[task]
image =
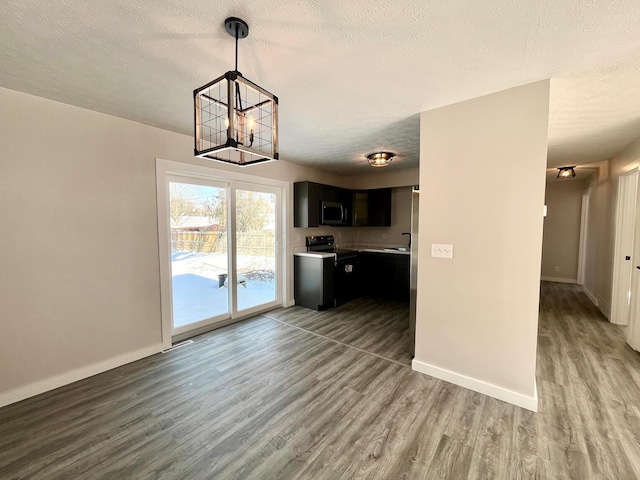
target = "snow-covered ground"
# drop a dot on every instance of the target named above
(197, 290)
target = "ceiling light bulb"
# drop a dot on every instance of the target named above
(566, 172)
(380, 159)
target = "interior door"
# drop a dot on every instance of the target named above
(623, 263)
(633, 332)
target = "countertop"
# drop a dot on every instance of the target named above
(384, 250)
(357, 249)
(314, 254)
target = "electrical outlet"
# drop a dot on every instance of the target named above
(384, 236)
(439, 250)
(298, 238)
(556, 268)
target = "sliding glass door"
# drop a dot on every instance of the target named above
(199, 255)
(255, 246)
(223, 248)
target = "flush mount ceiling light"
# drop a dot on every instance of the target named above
(380, 159)
(236, 121)
(566, 172)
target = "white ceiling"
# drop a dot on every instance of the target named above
(351, 76)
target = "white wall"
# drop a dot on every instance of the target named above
(381, 178)
(561, 238)
(601, 233)
(477, 315)
(79, 271)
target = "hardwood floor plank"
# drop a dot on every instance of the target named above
(451, 460)
(378, 326)
(299, 394)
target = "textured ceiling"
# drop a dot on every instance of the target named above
(352, 76)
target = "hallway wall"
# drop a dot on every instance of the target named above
(561, 237)
(602, 225)
(477, 313)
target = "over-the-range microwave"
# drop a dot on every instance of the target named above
(333, 213)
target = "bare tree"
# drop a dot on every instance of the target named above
(182, 202)
(253, 211)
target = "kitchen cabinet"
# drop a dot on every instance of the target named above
(372, 208)
(306, 204)
(307, 198)
(385, 275)
(313, 282)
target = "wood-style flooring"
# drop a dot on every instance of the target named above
(380, 327)
(286, 397)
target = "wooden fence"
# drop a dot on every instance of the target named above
(260, 244)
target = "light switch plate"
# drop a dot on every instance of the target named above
(441, 251)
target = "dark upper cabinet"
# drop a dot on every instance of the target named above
(308, 198)
(306, 204)
(372, 208)
(345, 197)
(365, 208)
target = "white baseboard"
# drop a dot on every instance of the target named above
(559, 280)
(509, 396)
(591, 296)
(41, 386)
(602, 304)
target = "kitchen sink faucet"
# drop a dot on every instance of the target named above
(407, 233)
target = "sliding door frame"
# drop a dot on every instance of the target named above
(280, 292)
(206, 322)
(167, 170)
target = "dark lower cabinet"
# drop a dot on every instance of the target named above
(313, 282)
(384, 275)
(321, 283)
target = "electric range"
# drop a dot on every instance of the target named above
(327, 244)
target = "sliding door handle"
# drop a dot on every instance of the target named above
(627, 257)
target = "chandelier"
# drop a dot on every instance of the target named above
(236, 121)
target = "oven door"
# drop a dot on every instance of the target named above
(345, 279)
